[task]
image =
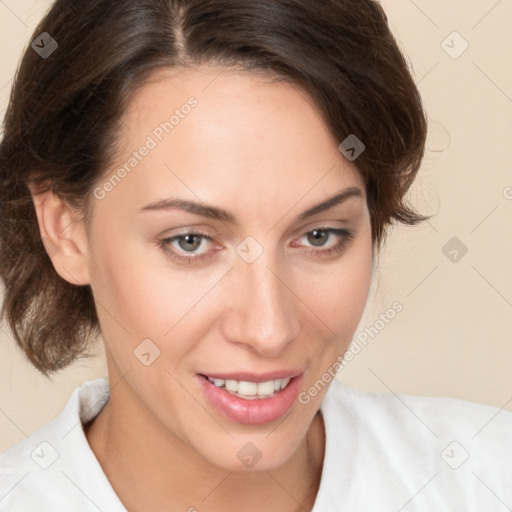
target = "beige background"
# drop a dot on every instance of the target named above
(453, 336)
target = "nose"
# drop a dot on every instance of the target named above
(263, 308)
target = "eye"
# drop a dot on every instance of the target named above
(319, 236)
(186, 246)
(177, 247)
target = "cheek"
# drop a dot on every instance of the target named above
(136, 294)
(129, 296)
(337, 294)
(143, 296)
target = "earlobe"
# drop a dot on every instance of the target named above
(63, 236)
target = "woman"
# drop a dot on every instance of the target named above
(206, 184)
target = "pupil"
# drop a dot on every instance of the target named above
(189, 239)
(318, 236)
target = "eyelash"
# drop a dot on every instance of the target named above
(346, 235)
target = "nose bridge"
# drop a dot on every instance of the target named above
(265, 312)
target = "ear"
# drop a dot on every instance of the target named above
(63, 236)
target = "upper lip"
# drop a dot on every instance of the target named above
(254, 377)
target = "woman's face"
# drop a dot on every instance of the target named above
(261, 285)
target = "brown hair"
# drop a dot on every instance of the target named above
(64, 114)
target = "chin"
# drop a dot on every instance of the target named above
(254, 453)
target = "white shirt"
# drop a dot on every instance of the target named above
(384, 453)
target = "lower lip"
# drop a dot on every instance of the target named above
(253, 412)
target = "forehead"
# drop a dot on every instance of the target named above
(230, 105)
(217, 133)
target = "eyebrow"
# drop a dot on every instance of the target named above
(225, 216)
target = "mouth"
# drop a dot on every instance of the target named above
(250, 390)
(250, 398)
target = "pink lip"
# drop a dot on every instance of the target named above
(254, 412)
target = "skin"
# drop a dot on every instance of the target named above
(259, 149)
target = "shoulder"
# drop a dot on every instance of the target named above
(405, 420)
(43, 470)
(83, 404)
(457, 453)
(402, 411)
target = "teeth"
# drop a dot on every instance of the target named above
(264, 388)
(248, 388)
(231, 385)
(251, 390)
